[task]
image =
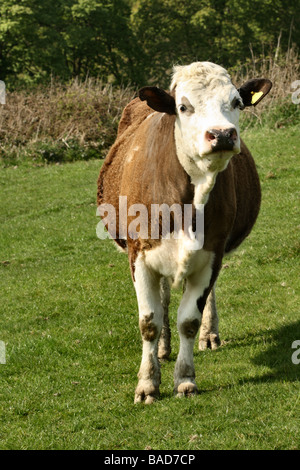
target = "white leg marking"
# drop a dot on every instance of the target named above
(150, 322)
(189, 319)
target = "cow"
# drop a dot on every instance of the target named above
(181, 147)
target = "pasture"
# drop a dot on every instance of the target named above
(69, 322)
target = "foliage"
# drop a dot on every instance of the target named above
(136, 41)
(78, 120)
(75, 121)
(64, 38)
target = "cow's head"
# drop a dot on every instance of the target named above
(207, 107)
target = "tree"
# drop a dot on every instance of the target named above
(136, 41)
(99, 40)
(65, 38)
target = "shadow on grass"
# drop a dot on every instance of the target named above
(278, 357)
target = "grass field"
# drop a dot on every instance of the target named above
(69, 322)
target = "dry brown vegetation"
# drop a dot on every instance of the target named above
(82, 110)
(282, 69)
(79, 120)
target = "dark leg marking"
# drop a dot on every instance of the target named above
(148, 329)
(189, 328)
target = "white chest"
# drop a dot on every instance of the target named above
(174, 259)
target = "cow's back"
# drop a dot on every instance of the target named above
(109, 181)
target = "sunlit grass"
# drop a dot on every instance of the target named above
(69, 321)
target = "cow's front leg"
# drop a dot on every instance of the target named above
(150, 323)
(184, 377)
(209, 331)
(188, 322)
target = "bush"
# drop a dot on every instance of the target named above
(61, 123)
(78, 121)
(277, 109)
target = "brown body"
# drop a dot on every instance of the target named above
(152, 174)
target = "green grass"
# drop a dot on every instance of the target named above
(69, 321)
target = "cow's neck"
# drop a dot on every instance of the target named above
(203, 186)
(203, 172)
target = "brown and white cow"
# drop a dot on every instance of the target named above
(182, 148)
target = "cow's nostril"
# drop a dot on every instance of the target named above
(232, 134)
(221, 139)
(210, 135)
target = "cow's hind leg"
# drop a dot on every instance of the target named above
(209, 331)
(164, 345)
(150, 322)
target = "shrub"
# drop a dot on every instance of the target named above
(277, 109)
(60, 123)
(79, 120)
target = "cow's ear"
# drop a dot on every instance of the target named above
(158, 99)
(253, 91)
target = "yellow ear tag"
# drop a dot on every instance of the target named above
(256, 96)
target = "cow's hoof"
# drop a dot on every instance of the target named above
(146, 392)
(148, 400)
(163, 353)
(186, 389)
(211, 341)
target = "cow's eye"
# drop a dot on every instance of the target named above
(182, 108)
(237, 103)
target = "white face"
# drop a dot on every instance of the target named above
(208, 107)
